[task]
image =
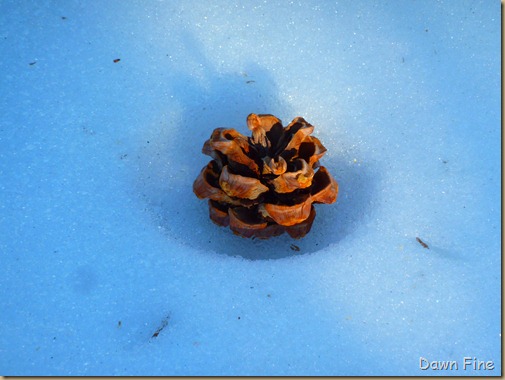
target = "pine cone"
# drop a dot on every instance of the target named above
(265, 185)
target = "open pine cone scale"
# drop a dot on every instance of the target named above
(266, 184)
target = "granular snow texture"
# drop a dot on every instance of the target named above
(110, 264)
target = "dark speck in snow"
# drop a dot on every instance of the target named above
(422, 243)
(164, 323)
(88, 131)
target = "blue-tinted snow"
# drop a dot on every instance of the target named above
(102, 239)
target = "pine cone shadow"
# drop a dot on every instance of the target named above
(170, 163)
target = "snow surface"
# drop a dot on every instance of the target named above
(103, 242)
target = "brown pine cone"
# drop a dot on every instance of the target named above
(265, 185)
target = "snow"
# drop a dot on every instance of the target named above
(103, 242)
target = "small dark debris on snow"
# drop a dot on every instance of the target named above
(32, 63)
(294, 247)
(123, 156)
(117, 60)
(88, 131)
(250, 81)
(422, 243)
(119, 324)
(164, 323)
(63, 18)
